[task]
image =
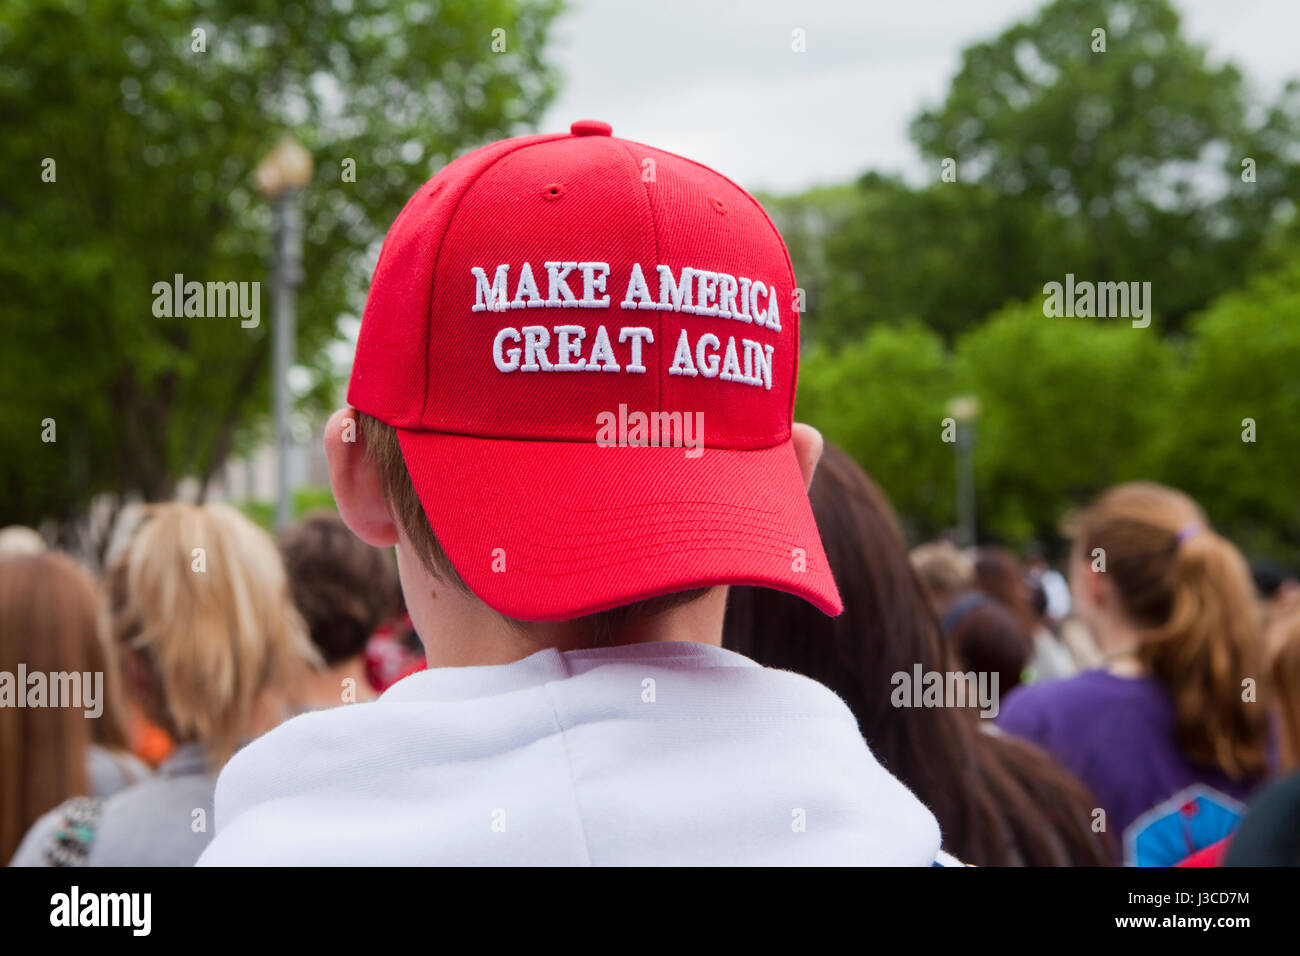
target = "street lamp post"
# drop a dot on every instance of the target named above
(280, 177)
(965, 411)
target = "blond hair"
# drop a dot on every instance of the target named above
(1189, 593)
(201, 593)
(944, 569)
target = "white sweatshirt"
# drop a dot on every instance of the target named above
(651, 754)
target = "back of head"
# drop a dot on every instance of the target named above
(342, 586)
(1188, 592)
(998, 573)
(383, 447)
(947, 572)
(979, 786)
(581, 443)
(988, 638)
(203, 603)
(51, 626)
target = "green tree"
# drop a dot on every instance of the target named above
(882, 399)
(1232, 442)
(1140, 146)
(155, 117)
(806, 222)
(949, 255)
(1068, 407)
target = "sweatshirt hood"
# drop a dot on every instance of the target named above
(653, 754)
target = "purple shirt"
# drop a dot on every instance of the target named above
(1116, 734)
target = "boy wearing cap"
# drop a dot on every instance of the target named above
(569, 589)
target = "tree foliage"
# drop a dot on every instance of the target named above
(1068, 407)
(1233, 439)
(882, 399)
(1122, 165)
(155, 129)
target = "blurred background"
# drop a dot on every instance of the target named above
(145, 142)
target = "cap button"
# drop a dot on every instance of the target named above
(591, 128)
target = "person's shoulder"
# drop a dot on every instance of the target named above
(1081, 698)
(111, 772)
(39, 836)
(308, 735)
(305, 751)
(770, 690)
(803, 692)
(1028, 706)
(65, 836)
(738, 686)
(1078, 688)
(154, 793)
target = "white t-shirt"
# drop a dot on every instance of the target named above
(650, 754)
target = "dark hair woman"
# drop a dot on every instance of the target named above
(998, 801)
(986, 637)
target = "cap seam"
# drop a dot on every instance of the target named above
(442, 239)
(794, 384)
(654, 233)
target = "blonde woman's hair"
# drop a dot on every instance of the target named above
(946, 572)
(1189, 592)
(201, 594)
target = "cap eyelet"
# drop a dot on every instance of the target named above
(718, 205)
(553, 192)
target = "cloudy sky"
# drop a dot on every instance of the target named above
(716, 80)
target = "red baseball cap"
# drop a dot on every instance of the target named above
(588, 348)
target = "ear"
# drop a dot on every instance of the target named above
(808, 446)
(1097, 587)
(354, 477)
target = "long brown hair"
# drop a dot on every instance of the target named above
(1189, 593)
(998, 801)
(51, 621)
(1284, 672)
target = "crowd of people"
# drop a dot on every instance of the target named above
(207, 635)
(1136, 727)
(638, 651)
(1146, 707)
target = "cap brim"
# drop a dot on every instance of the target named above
(552, 530)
